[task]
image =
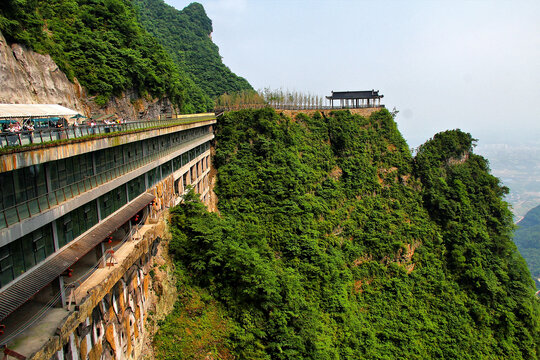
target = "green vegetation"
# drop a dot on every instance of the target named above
(197, 328)
(186, 36)
(245, 99)
(527, 239)
(333, 242)
(101, 43)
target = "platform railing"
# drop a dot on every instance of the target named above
(294, 107)
(39, 136)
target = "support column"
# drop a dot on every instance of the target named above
(62, 290)
(55, 236)
(98, 201)
(103, 260)
(94, 168)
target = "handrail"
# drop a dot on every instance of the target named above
(40, 136)
(294, 107)
(31, 207)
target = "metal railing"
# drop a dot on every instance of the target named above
(44, 135)
(294, 107)
(32, 207)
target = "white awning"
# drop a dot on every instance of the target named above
(34, 110)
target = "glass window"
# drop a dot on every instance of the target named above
(166, 169)
(64, 225)
(20, 255)
(120, 197)
(76, 222)
(7, 195)
(136, 187)
(153, 176)
(6, 266)
(185, 158)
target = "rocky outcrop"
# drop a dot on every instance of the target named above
(27, 77)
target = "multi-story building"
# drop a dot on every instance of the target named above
(67, 206)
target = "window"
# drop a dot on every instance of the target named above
(136, 187)
(67, 228)
(6, 266)
(20, 255)
(7, 195)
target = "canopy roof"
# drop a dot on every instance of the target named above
(364, 94)
(34, 110)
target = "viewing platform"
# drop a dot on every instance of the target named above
(49, 134)
(295, 102)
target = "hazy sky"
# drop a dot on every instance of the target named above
(473, 65)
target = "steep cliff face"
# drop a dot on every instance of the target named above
(333, 242)
(28, 77)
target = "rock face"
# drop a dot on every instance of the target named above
(27, 77)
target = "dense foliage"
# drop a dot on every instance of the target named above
(334, 243)
(101, 43)
(186, 36)
(527, 239)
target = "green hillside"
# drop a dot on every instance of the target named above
(332, 242)
(103, 45)
(527, 239)
(186, 36)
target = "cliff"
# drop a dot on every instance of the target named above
(186, 35)
(527, 239)
(28, 77)
(333, 242)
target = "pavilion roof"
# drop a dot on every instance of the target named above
(364, 94)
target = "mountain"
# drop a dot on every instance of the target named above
(186, 35)
(527, 239)
(102, 45)
(332, 241)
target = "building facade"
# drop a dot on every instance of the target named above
(67, 207)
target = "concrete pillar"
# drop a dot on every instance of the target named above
(55, 236)
(98, 200)
(103, 261)
(62, 290)
(94, 169)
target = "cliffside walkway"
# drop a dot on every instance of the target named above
(47, 135)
